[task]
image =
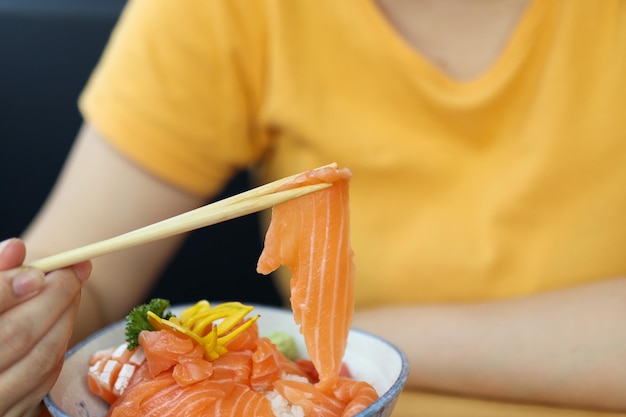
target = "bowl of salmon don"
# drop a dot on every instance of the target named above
(368, 360)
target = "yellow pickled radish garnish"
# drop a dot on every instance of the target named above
(212, 327)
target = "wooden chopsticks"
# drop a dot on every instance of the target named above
(248, 202)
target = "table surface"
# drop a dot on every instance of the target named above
(434, 405)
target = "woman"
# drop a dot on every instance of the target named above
(487, 147)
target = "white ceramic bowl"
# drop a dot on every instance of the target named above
(368, 357)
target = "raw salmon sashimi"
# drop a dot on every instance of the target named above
(346, 398)
(266, 365)
(167, 350)
(164, 397)
(357, 395)
(314, 403)
(173, 378)
(310, 235)
(111, 370)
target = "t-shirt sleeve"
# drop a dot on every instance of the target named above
(178, 88)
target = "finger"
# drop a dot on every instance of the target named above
(24, 325)
(12, 253)
(17, 285)
(24, 384)
(83, 270)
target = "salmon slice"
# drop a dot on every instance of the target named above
(266, 365)
(307, 368)
(313, 402)
(233, 366)
(246, 340)
(357, 395)
(164, 397)
(243, 401)
(111, 370)
(164, 350)
(192, 369)
(310, 236)
(293, 368)
(346, 398)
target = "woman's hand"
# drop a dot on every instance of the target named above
(37, 315)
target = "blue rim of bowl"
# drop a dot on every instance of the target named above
(383, 401)
(388, 398)
(48, 401)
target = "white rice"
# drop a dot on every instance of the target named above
(280, 406)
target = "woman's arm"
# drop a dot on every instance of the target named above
(566, 347)
(98, 195)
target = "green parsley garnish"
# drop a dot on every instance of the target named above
(137, 319)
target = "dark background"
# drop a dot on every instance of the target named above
(47, 51)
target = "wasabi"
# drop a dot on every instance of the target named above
(285, 343)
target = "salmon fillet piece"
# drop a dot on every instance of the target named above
(311, 236)
(357, 395)
(164, 397)
(267, 365)
(314, 402)
(111, 371)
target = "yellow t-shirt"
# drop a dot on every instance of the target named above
(510, 184)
